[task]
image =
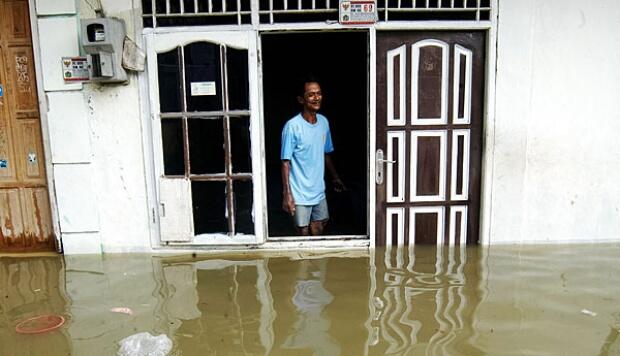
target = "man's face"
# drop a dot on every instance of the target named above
(312, 97)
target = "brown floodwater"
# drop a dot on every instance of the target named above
(502, 300)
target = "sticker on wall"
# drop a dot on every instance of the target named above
(32, 158)
(4, 163)
(75, 68)
(358, 12)
(203, 88)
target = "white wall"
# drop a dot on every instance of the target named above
(95, 139)
(118, 160)
(557, 154)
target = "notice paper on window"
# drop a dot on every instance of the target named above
(203, 88)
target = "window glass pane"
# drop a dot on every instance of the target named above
(175, 7)
(172, 146)
(238, 92)
(231, 5)
(244, 219)
(160, 6)
(203, 82)
(146, 7)
(240, 144)
(189, 6)
(169, 81)
(206, 145)
(209, 207)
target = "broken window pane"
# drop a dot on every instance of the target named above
(238, 81)
(203, 77)
(209, 207)
(172, 146)
(244, 219)
(240, 144)
(206, 145)
(169, 81)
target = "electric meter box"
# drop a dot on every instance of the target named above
(102, 40)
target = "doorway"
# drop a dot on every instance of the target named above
(339, 60)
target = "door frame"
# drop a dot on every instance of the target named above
(488, 122)
(300, 28)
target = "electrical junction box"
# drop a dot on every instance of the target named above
(102, 40)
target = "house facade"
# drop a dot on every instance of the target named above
(454, 122)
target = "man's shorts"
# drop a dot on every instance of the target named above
(304, 214)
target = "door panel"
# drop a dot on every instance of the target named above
(30, 151)
(36, 200)
(24, 96)
(429, 82)
(175, 210)
(8, 170)
(15, 21)
(430, 88)
(12, 225)
(25, 216)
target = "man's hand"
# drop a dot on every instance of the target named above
(288, 204)
(338, 185)
(336, 182)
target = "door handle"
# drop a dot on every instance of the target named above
(379, 166)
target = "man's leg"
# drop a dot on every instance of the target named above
(302, 219)
(319, 217)
(316, 228)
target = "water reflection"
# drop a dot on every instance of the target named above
(31, 287)
(611, 346)
(412, 301)
(424, 301)
(311, 329)
(217, 306)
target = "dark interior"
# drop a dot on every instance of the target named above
(339, 61)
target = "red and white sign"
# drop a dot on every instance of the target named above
(75, 69)
(358, 12)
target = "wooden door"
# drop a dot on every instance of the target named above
(430, 88)
(25, 218)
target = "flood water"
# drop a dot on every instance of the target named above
(505, 300)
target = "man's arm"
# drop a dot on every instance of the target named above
(329, 164)
(288, 203)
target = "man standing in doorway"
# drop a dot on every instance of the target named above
(306, 144)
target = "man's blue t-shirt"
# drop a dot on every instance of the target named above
(305, 145)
